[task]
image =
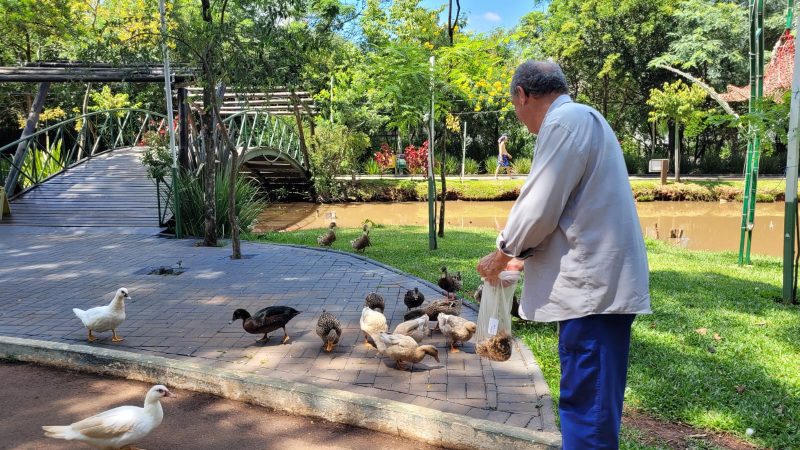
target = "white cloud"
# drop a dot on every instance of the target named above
(492, 16)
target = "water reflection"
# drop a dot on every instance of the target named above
(693, 225)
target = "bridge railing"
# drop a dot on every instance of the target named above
(257, 129)
(29, 161)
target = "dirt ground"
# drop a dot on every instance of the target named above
(32, 396)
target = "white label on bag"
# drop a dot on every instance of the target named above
(493, 323)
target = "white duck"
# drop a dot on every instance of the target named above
(373, 323)
(104, 318)
(416, 328)
(118, 427)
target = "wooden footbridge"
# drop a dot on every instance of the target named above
(87, 171)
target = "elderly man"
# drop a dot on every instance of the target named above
(575, 231)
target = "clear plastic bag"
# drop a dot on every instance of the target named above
(494, 317)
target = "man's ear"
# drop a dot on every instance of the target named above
(520, 93)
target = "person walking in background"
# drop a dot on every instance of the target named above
(575, 232)
(503, 157)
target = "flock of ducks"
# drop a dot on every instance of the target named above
(120, 427)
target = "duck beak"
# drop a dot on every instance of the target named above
(328, 347)
(436, 357)
(170, 394)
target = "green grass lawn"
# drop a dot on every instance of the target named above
(718, 353)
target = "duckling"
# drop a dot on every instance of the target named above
(514, 302)
(375, 302)
(372, 323)
(266, 321)
(329, 237)
(360, 243)
(456, 329)
(496, 348)
(329, 330)
(413, 298)
(105, 318)
(450, 282)
(405, 349)
(416, 328)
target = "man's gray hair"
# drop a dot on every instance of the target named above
(538, 78)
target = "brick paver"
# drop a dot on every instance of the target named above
(46, 273)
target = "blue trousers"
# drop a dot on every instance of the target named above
(594, 368)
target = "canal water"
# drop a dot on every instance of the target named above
(692, 225)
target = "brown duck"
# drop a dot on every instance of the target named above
(450, 282)
(266, 321)
(375, 302)
(360, 243)
(329, 237)
(329, 330)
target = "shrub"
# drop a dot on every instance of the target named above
(336, 151)
(490, 164)
(471, 166)
(157, 157)
(248, 203)
(521, 165)
(372, 167)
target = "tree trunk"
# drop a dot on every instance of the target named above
(233, 218)
(444, 183)
(209, 167)
(677, 152)
(300, 132)
(82, 133)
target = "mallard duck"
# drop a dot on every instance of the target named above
(329, 330)
(514, 302)
(414, 314)
(360, 243)
(450, 305)
(413, 298)
(105, 318)
(450, 282)
(266, 321)
(372, 323)
(327, 238)
(116, 428)
(456, 329)
(375, 302)
(496, 348)
(416, 328)
(405, 349)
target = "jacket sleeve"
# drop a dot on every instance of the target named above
(559, 164)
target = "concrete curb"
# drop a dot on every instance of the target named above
(396, 418)
(547, 415)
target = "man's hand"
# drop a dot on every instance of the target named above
(490, 266)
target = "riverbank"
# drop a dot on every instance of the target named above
(475, 189)
(717, 354)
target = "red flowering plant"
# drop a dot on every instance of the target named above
(384, 158)
(417, 158)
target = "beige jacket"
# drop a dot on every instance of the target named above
(575, 223)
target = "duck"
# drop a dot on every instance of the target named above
(116, 428)
(413, 298)
(415, 328)
(329, 330)
(403, 349)
(105, 318)
(456, 329)
(514, 301)
(496, 348)
(329, 237)
(450, 305)
(372, 323)
(266, 321)
(449, 282)
(360, 243)
(375, 302)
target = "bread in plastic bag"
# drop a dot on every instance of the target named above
(493, 336)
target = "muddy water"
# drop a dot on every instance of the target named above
(693, 225)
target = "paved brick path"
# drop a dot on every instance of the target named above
(45, 273)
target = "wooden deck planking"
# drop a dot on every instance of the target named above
(110, 190)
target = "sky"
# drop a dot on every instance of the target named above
(486, 15)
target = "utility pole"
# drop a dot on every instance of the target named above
(790, 200)
(463, 150)
(176, 209)
(431, 179)
(331, 99)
